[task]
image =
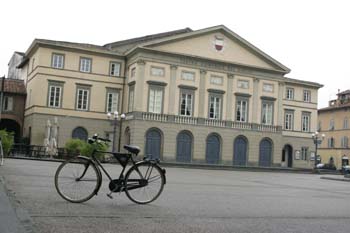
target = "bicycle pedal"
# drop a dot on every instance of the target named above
(109, 195)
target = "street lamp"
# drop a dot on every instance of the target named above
(317, 141)
(115, 117)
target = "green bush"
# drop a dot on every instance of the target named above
(77, 146)
(6, 140)
(73, 146)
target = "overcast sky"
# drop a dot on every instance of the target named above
(311, 37)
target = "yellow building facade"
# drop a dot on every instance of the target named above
(205, 96)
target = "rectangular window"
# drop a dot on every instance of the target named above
(242, 110)
(346, 123)
(307, 96)
(82, 99)
(331, 124)
(57, 61)
(244, 84)
(186, 103)
(216, 80)
(112, 101)
(290, 94)
(114, 69)
(133, 72)
(331, 142)
(8, 103)
(214, 107)
(267, 113)
(155, 101)
(188, 76)
(304, 151)
(288, 120)
(305, 122)
(157, 71)
(345, 142)
(131, 98)
(85, 65)
(267, 87)
(55, 93)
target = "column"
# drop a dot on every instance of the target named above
(201, 93)
(229, 106)
(139, 86)
(255, 100)
(279, 107)
(172, 89)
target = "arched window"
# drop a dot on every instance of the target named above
(80, 133)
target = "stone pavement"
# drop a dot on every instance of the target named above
(12, 219)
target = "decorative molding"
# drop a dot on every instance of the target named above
(231, 76)
(242, 94)
(56, 81)
(83, 84)
(256, 80)
(187, 87)
(141, 62)
(203, 71)
(173, 67)
(216, 91)
(157, 83)
(131, 83)
(268, 98)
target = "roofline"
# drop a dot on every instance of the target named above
(136, 39)
(221, 27)
(134, 50)
(307, 83)
(332, 108)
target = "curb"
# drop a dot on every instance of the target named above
(336, 179)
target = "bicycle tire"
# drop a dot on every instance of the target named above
(155, 181)
(71, 185)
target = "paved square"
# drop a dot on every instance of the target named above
(193, 200)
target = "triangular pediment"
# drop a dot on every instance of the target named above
(218, 43)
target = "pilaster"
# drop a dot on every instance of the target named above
(201, 93)
(255, 100)
(229, 106)
(139, 86)
(280, 112)
(172, 89)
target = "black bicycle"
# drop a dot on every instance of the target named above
(79, 179)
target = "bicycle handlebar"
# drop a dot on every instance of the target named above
(96, 138)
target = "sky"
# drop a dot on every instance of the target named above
(311, 37)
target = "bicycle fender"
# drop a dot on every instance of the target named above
(98, 172)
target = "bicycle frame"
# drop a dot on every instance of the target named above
(95, 162)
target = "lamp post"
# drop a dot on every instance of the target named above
(317, 140)
(114, 117)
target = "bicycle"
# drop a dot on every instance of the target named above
(79, 179)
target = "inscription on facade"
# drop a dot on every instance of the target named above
(206, 64)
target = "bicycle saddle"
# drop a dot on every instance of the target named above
(132, 149)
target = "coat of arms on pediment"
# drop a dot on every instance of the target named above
(219, 43)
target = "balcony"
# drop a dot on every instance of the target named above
(146, 116)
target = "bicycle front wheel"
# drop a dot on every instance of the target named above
(144, 182)
(77, 180)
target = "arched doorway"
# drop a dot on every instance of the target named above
(240, 151)
(80, 133)
(184, 147)
(11, 126)
(287, 155)
(265, 153)
(212, 154)
(153, 143)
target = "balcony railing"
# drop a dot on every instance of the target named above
(146, 116)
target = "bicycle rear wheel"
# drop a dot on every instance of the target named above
(144, 182)
(77, 180)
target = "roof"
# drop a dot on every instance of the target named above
(230, 33)
(15, 86)
(123, 44)
(334, 108)
(303, 82)
(344, 92)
